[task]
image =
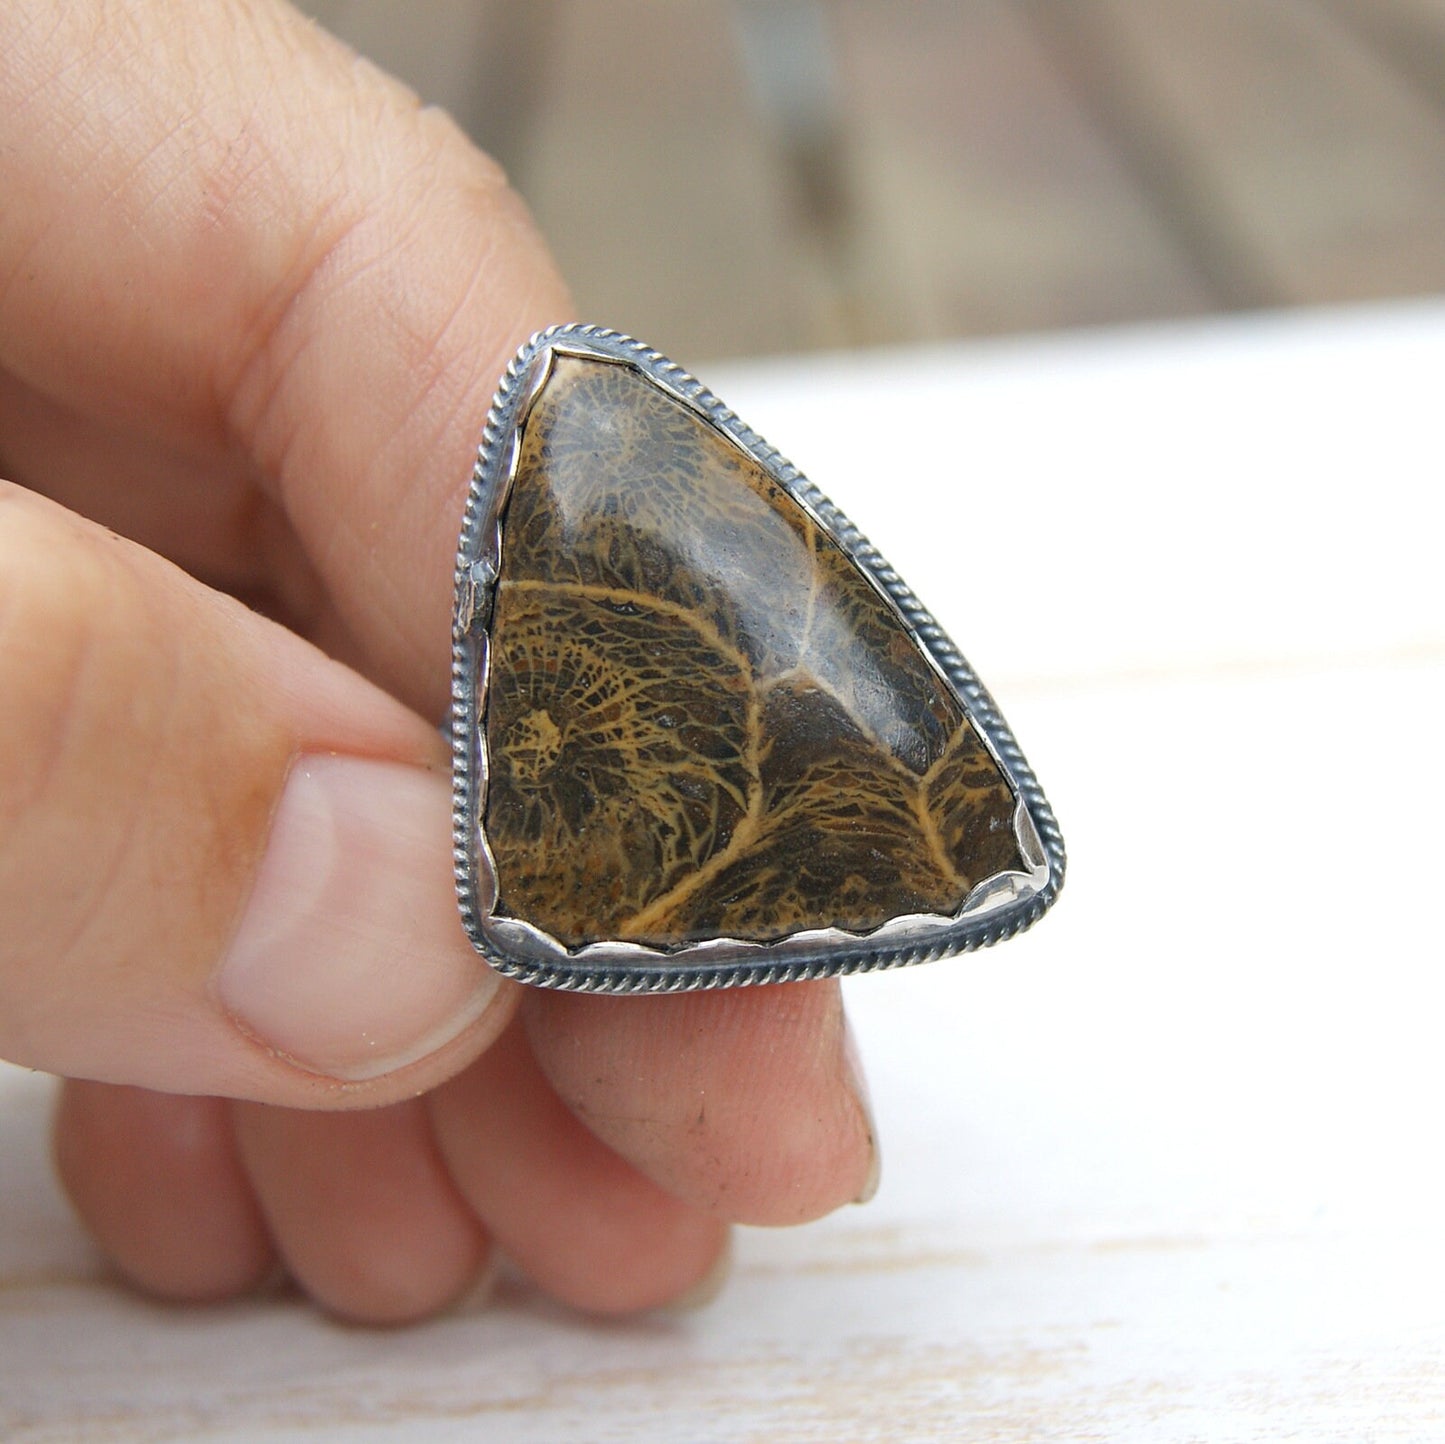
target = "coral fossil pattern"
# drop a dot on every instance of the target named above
(702, 720)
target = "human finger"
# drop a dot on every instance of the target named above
(158, 1182)
(224, 232)
(362, 1209)
(345, 278)
(579, 1221)
(224, 859)
(749, 1104)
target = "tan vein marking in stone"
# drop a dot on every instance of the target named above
(744, 835)
(928, 825)
(946, 755)
(596, 592)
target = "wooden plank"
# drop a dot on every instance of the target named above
(1327, 169)
(988, 200)
(968, 192)
(657, 184)
(1001, 164)
(1408, 34)
(1157, 151)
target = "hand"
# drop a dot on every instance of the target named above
(253, 305)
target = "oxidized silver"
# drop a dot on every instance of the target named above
(996, 909)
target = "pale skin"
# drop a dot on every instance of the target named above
(254, 302)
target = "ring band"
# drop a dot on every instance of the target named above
(702, 734)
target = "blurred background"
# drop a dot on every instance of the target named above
(747, 177)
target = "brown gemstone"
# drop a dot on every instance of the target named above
(702, 720)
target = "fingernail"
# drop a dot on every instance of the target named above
(858, 1085)
(349, 959)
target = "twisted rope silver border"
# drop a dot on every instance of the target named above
(725, 963)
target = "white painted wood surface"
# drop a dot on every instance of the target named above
(1166, 1169)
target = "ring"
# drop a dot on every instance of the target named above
(702, 733)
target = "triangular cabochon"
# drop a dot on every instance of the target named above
(701, 719)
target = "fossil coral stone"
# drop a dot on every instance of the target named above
(701, 719)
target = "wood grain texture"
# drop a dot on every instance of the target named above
(988, 197)
(663, 194)
(1300, 147)
(935, 168)
(1408, 35)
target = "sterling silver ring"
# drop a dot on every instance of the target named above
(702, 733)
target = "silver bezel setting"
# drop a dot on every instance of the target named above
(996, 909)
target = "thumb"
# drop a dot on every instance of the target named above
(225, 860)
